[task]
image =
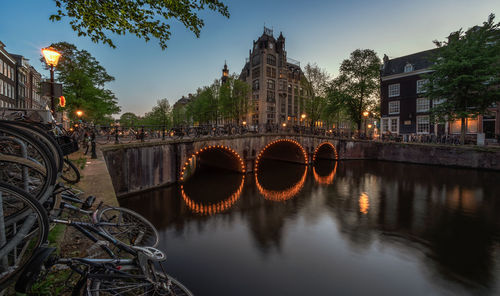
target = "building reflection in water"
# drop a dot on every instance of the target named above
(444, 221)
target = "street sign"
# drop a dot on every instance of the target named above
(45, 89)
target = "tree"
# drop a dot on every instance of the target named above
(358, 83)
(83, 80)
(145, 19)
(129, 119)
(465, 78)
(233, 99)
(313, 85)
(159, 115)
(179, 115)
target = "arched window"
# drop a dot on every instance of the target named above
(271, 60)
(408, 67)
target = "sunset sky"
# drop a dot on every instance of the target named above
(322, 32)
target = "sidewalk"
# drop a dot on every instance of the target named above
(96, 180)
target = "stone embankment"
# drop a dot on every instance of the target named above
(137, 167)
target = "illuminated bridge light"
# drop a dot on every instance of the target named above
(322, 144)
(325, 180)
(211, 209)
(282, 195)
(238, 157)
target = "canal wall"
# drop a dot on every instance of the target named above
(455, 156)
(143, 166)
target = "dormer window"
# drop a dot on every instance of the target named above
(408, 67)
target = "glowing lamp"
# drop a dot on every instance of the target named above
(366, 113)
(369, 126)
(62, 101)
(79, 113)
(51, 56)
(244, 123)
(303, 116)
(284, 124)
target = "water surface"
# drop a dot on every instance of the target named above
(347, 228)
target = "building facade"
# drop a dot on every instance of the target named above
(404, 108)
(7, 79)
(275, 80)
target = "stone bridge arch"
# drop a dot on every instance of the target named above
(299, 154)
(325, 150)
(233, 159)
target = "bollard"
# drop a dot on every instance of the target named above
(94, 153)
(116, 136)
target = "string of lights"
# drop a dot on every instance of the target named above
(304, 152)
(211, 209)
(206, 148)
(322, 144)
(282, 195)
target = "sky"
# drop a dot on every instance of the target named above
(321, 32)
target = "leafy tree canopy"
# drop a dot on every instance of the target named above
(357, 84)
(83, 80)
(143, 18)
(465, 78)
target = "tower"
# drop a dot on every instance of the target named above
(225, 73)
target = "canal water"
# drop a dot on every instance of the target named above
(346, 228)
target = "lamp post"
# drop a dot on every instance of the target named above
(365, 115)
(51, 57)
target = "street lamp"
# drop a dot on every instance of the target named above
(79, 113)
(51, 57)
(365, 114)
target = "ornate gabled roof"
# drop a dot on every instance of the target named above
(419, 61)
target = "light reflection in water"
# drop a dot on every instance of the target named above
(210, 209)
(364, 203)
(325, 180)
(281, 195)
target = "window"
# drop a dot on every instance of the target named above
(255, 84)
(423, 124)
(270, 84)
(393, 90)
(421, 85)
(283, 85)
(437, 102)
(256, 72)
(385, 124)
(270, 96)
(408, 67)
(394, 107)
(394, 125)
(289, 88)
(271, 72)
(422, 105)
(271, 60)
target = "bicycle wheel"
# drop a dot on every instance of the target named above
(127, 226)
(43, 135)
(23, 227)
(10, 144)
(23, 173)
(70, 172)
(164, 285)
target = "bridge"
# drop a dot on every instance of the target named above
(140, 166)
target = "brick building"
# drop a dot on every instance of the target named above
(404, 108)
(276, 91)
(7, 79)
